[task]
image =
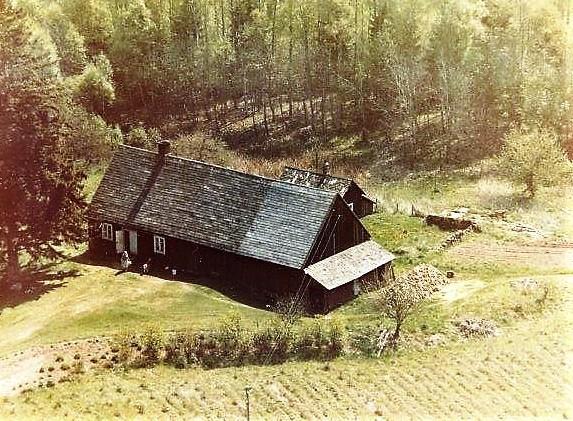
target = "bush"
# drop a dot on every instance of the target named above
(226, 346)
(231, 345)
(151, 345)
(364, 340)
(320, 341)
(142, 138)
(534, 158)
(126, 343)
(271, 344)
(180, 349)
(290, 308)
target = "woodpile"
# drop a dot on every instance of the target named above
(423, 280)
(449, 223)
(473, 327)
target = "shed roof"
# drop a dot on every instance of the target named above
(210, 205)
(349, 264)
(314, 179)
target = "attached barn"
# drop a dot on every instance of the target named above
(213, 221)
(352, 193)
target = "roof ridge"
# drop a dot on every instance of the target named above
(250, 175)
(320, 174)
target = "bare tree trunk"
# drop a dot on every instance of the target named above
(305, 111)
(265, 118)
(273, 113)
(12, 261)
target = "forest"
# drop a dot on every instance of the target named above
(436, 82)
(377, 86)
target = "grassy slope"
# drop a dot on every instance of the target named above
(96, 302)
(509, 375)
(524, 372)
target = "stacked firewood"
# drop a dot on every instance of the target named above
(422, 281)
(455, 238)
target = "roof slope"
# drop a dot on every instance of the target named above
(213, 206)
(349, 264)
(313, 179)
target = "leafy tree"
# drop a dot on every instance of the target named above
(534, 158)
(40, 187)
(94, 87)
(397, 302)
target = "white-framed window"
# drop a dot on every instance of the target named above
(351, 206)
(107, 231)
(159, 244)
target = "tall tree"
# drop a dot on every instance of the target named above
(40, 187)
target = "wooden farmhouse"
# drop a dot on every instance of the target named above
(351, 192)
(271, 237)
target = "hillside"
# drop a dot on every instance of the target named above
(507, 375)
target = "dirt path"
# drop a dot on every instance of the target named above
(17, 373)
(547, 256)
(44, 366)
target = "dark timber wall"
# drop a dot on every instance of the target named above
(341, 231)
(361, 206)
(262, 278)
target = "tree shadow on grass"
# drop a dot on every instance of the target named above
(31, 284)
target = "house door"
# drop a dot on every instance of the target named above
(119, 241)
(133, 242)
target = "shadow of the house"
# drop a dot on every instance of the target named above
(224, 285)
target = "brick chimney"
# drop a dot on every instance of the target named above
(163, 148)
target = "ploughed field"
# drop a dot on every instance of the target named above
(526, 371)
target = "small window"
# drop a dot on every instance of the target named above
(107, 231)
(159, 244)
(351, 206)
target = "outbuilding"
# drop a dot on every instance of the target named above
(357, 199)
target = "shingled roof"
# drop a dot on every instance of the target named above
(313, 179)
(217, 207)
(349, 264)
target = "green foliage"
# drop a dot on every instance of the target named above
(231, 344)
(40, 187)
(321, 340)
(142, 138)
(431, 81)
(534, 158)
(94, 87)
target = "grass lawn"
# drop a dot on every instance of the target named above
(92, 300)
(551, 210)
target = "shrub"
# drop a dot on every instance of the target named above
(125, 342)
(180, 349)
(271, 344)
(151, 345)
(290, 308)
(364, 340)
(321, 340)
(534, 158)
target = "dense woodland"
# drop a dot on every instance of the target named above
(432, 79)
(393, 84)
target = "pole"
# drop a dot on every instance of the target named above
(247, 390)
